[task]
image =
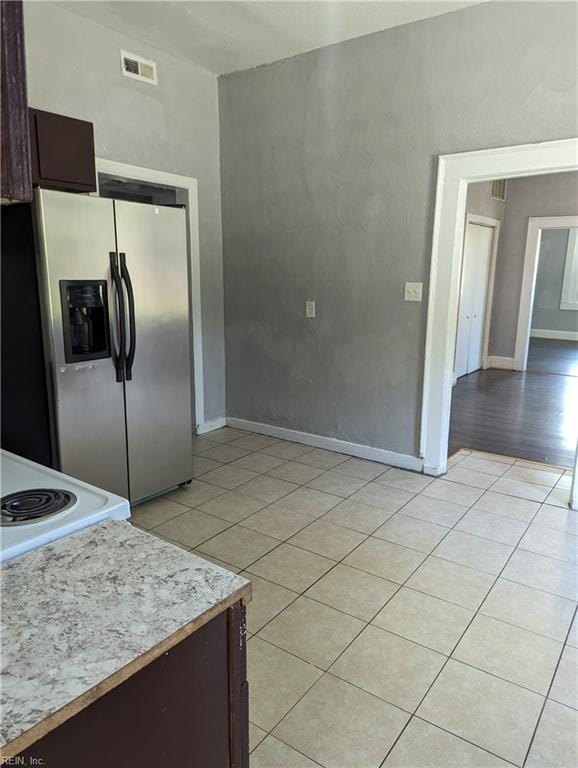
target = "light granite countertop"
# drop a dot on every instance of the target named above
(82, 614)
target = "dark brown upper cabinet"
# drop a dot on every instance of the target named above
(62, 152)
(15, 180)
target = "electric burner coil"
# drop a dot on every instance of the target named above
(33, 505)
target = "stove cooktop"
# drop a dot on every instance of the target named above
(40, 505)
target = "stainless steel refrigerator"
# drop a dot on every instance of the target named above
(114, 284)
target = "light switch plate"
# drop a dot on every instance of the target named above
(413, 292)
(310, 309)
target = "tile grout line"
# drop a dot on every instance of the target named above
(451, 654)
(461, 738)
(324, 672)
(224, 491)
(273, 736)
(392, 515)
(486, 455)
(369, 623)
(412, 714)
(399, 586)
(547, 695)
(366, 624)
(279, 501)
(509, 468)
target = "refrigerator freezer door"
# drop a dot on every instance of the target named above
(158, 394)
(79, 313)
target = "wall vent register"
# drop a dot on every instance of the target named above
(499, 189)
(138, 68)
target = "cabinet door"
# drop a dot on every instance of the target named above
(173, 713)
(16, 183)
(63, 152)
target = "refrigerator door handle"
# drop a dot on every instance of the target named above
(131, 315)
(119, 358)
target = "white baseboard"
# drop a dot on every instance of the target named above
(544, 333)
(210, 426)
(506, 363)
(368, 452)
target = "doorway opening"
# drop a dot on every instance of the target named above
(521, 403)
(137, 184)
(454, 174)
(547, 333)
(136, 191)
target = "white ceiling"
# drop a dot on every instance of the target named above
(229, 36)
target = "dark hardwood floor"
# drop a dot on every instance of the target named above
(528, 415)
(553, 356)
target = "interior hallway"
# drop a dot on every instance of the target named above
(531, 415)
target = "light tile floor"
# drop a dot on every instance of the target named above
(397, 620)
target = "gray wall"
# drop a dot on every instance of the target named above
(74, 69)
(481, 202)
(547, 314)
(550, 195)
(328, 172)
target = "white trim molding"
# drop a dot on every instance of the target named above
(187, 195)
(503, 363)
(211, 426)
(455, 172)
(574, 485)
(368, 452)
(531, 258)
(545, 333)
(569, 295)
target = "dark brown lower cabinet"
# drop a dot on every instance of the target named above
(186, 709)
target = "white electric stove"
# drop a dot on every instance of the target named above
(40, 505)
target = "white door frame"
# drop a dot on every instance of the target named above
(455, 172)
(531, 258)
(574, 486)
(187, 195)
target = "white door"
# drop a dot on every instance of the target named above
(473, 296)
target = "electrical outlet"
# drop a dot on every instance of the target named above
(310, 309)
(413, 292)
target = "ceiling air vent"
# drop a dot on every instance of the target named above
(138, 68)
(499, 189)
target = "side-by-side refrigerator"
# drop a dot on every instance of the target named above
(114, 285)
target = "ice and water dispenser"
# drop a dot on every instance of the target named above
(85, 319)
